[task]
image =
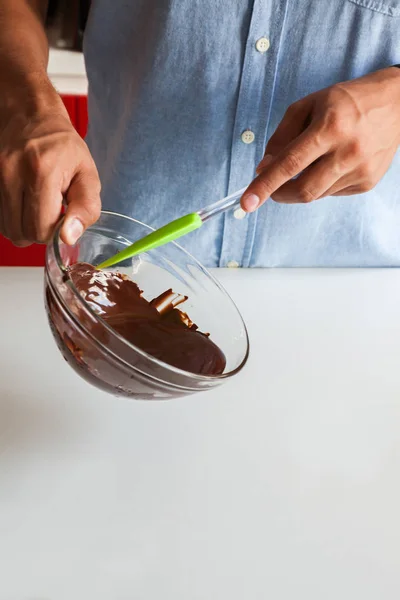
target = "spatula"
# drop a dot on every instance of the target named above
(175, 229)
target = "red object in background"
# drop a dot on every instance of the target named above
(82, 115)
(33, 256)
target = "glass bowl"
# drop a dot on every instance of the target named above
(104, 358)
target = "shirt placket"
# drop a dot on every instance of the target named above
(251, 123)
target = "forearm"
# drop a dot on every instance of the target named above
(23, 54)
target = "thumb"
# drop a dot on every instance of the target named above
(83, 205)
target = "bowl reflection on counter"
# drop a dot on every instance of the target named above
(98, 353)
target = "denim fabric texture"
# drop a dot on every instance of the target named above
(173, 84)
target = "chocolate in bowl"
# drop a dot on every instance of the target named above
(97, 350)
(157, 327)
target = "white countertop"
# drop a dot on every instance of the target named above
(67, 72)
(284, 484)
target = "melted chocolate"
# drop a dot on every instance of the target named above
(157, 327)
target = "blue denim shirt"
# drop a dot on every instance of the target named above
(173, 86)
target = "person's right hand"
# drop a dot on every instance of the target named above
(43, 162)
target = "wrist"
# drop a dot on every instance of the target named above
(27, 94)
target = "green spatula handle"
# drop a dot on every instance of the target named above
(168, 233)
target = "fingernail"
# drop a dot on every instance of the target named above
(250, 202)
(75, 230)
(264, 163)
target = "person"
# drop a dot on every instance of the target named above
(186, 97)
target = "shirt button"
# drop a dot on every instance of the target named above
(232, 264)
(239, 213)
(262, 45)
(248, 136)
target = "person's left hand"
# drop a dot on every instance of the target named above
(336, 142)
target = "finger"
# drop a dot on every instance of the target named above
(363, 179)
(21, 243)
(11, 202)
(12, 211)
(294, 159)
(83, 205)
(294, 122)
(348, 180)
(312, 184)
(1, 216)
(42, 207)
(351, 190)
